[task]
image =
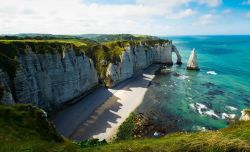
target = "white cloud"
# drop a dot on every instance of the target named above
(227, 11)
(186, 13)
(182, 14)
(248, 14)
(163, 3)
(247, 2)
(211, 3)
(77, 17)
(206, 19)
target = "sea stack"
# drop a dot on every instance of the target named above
(192, 61)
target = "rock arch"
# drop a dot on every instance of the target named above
(174, 49)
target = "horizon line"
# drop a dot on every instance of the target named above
(16, 34)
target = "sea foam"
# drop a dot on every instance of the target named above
(211, 72)
(183, 77)
(231, 108)
(228, 116)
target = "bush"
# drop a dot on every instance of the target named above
(126, 129)
(91, 143)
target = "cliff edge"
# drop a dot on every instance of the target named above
(50, 73)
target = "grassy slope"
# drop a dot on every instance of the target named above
(24, 128)
(234, 138)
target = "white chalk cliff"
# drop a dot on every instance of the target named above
(49, 80)
(192, 61)
(136, 58)
(7, 97)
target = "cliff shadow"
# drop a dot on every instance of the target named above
(99, 121)
(72, 117)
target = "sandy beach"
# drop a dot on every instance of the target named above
(99, 114)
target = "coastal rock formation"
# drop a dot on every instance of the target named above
(163, 54)
(136, 58)
(192, 61)
(174, 49)
(245, 115)
(122, 71)
(50, 79)
(5, 91)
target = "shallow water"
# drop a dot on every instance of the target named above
(184, 100)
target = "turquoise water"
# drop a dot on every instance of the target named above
(206, 100)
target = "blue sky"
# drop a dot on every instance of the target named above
(152, 17)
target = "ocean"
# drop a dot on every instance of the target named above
(208, 99)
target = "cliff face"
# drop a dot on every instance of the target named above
(48, 80)
(136, 58)
(6, 95)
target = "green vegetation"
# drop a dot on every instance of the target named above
(91, 143)
(120, 37)
(25, 128)
(94, 37)
(235, 138)
(126, 130)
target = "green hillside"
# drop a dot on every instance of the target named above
(118, 37)
(25, 128)
(94, 37)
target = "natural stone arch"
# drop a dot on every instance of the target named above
(174, 49)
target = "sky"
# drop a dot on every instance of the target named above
(151, 17)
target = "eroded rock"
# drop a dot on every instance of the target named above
(192, 61)
(245, 115)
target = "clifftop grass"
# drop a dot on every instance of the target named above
(25, 128)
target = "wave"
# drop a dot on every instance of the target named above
(211, 72)
(183, 77)
(231, 108)
(203, 110)
(228, 116)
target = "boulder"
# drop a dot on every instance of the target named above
(245, 115)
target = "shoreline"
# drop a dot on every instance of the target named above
(101, 119)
